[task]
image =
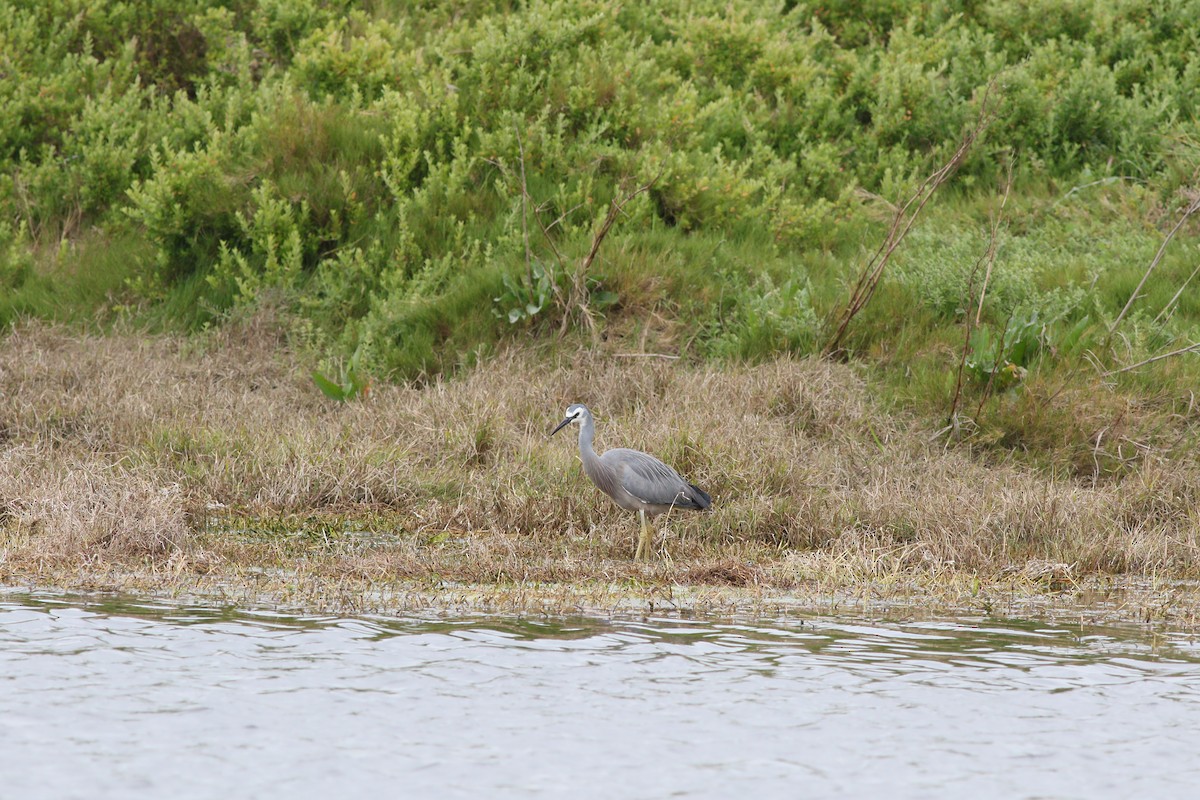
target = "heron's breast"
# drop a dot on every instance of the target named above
(603, 476)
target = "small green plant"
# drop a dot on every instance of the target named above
(525, 299)
(1004, 358)
(16, 256)
(767, 318)
(1076, 339)
(350, 384)
(522, 300)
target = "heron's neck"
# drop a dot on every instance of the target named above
(587, 432)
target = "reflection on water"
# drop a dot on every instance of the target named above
(122, 698)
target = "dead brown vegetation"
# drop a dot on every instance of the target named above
(217, 455)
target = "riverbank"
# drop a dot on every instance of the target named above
(212, 464)
(1093, 600)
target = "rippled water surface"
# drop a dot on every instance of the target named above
(121, 698)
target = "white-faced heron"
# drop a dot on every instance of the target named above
(637, 481)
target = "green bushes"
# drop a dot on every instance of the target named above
(389, 171)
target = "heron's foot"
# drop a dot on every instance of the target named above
(645, 546)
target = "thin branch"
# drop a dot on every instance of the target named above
(1192, 208)
(646, 355)
(1080, 188)
(614, 210)
(563, 216)
(1191, 348)
(989, 256)
(1008, 182)
(968, 329)
(902, 222)
(550, 241)
(562, 263)
(987, 389)
(525, 209)
(577, 301)
(1171, 303)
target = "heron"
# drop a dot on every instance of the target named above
(636, 481)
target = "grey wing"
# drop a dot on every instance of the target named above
(652, 481)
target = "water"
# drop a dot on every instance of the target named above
(120, 698)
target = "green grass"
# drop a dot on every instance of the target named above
(80, 282)
(364, 172)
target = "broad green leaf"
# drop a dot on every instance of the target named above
(328, 387)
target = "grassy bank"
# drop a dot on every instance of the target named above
(177, 462)
(417, 188)
(202, 203)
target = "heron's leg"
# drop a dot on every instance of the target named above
(645, 540)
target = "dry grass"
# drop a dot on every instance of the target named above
(205, 460)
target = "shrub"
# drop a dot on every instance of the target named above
(384, 166)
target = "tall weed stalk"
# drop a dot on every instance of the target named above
(902, 222)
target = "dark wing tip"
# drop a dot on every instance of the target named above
(699, 497)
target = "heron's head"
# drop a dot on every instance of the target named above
(575, 413)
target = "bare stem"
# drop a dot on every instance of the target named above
(1171, 303)
(1192, 208)
(666, 356)
(902, 222)
(989, 257)
(987, 389)
(992, 243)
(1191, 348)
(525, 209)
(968, 328)
(577, 300)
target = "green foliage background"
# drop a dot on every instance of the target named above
(361, 165)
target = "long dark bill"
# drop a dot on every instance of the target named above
(562, 425)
